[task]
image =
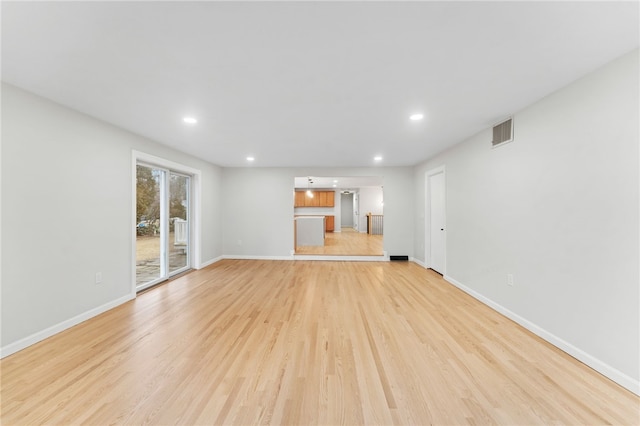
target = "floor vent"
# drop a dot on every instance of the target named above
(399, 258)
(502, 132)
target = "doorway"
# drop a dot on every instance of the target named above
(436, 232)
(346, 209)
(163, 207)
(349, 237)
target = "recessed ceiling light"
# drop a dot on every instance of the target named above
(416, 117)
(335, 181)
(190, 120)
(250, 158)
(377, 158)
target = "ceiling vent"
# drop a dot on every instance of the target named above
(502, 132)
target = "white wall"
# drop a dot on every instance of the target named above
(258, 208)
(67, 214)
(370, 202)
(558, 208)
(257, 212)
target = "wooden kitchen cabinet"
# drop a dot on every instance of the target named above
(327, 198)
(320, 199)
(315, 200)
(329, 223)
(300, 199)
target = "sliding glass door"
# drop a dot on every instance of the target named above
(162, 224)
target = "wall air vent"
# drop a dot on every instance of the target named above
(502, 132)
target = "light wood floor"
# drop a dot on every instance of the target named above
(303, 342)
(349, 242)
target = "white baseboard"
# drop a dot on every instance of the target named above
(210, 262)
(383, 258)
(601, 367)
(21, 344)
(249, 257)
(419, 262)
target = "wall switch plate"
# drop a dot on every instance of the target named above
(98, 277)
(510, 280)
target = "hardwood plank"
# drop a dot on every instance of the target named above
(302, 342)
(349, 242)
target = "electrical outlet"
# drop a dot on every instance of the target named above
(510, 280)
(98, 277)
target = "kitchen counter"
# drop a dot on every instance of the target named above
(329, 220)
(309, 230)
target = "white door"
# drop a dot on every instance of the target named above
(437, 221)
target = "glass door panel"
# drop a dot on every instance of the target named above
(178, 244)
(148, 230)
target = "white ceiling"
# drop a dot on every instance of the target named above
(308, 83)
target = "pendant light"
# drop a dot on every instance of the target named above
(309, 182)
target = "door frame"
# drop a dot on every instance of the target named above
(427, 216)
(194, 214)
(356, 210)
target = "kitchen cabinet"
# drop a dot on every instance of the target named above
(315, 200)
(330, 198)
(319, 199)
(329, 223)
(322, 198)
(300, 199)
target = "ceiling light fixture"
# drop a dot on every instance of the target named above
(309, 183)
(377, 158)
(190, 120)
(250, 158)
(416, 117)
